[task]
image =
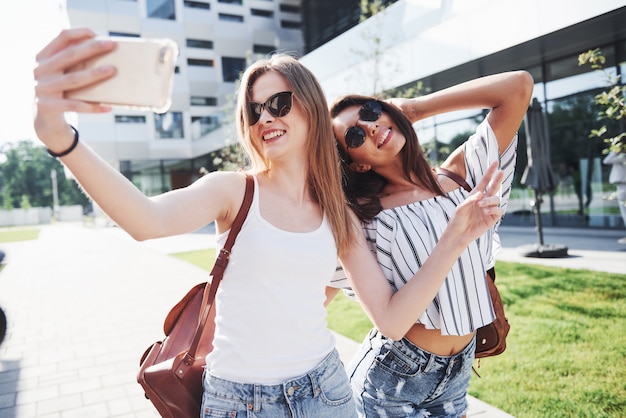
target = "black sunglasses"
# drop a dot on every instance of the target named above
(278, 105)
(369, 112)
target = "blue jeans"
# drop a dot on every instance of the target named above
(323, 392)
(398, 379)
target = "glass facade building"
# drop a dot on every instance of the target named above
(435, 46)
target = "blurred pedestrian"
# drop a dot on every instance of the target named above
(617, 176)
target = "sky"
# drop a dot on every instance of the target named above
(26, 26)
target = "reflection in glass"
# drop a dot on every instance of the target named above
(169, 125)
(161, 9)
(202, 125)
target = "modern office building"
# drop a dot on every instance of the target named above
(216, 41)
(441, 43)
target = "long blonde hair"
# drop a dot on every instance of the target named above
(324, 171)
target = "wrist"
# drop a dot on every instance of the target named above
(69, 149)
(415, 111)
(454, 242)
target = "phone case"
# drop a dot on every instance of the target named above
(145, 69)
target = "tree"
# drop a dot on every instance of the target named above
(378, 73)
(611, 102)
(25, 178)
(229, 158)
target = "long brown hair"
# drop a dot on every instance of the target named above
(363, 189)
(323, 170)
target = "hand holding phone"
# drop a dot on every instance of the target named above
(145, 69)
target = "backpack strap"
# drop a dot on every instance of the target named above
(454, 176)
(218, 268)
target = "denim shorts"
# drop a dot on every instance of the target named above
(322, 392)
(398, 379)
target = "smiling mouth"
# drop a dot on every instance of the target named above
(384, 138)
(272, 135)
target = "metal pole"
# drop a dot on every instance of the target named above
(538, 201)
(55, 194)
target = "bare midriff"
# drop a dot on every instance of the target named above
(432, 341)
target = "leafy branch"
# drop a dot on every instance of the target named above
(611, 101)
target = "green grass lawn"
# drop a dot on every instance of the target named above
(18, 234)
(566, 351)
(201, 258)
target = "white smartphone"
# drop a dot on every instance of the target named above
(145, 69)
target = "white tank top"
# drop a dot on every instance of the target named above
(271, 320)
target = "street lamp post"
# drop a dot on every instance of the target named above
(55, 194)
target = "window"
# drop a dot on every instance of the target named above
(124, 34)
(200, 62)
(169, 125)
(197, 5)
(199, 43)
(262, 13)
(129, 119)
(230, 18)
(232, 67)
(161, 9)
(203, 101)
(240, 2)
(287, 8)
(290, 24)
(202, 125)
(263, 49)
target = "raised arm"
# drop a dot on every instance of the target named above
(506, 94)
(175, 212)
(393, 313)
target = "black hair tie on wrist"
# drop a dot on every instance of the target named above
(70, 149)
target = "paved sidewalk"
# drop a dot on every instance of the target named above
(590, 249)
(84, 302)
